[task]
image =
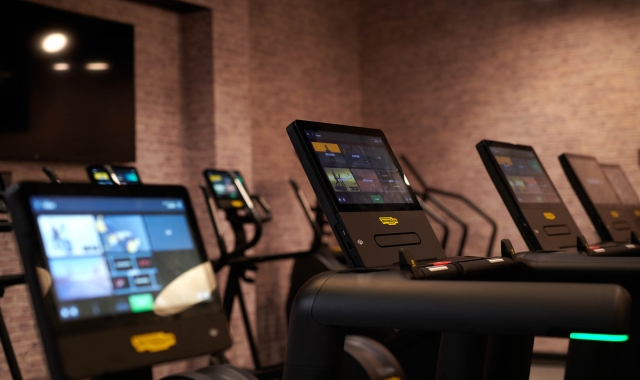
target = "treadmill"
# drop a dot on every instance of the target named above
(391, 249)
(611, 219)
(119, 280)
(625, 192)
(559, 253)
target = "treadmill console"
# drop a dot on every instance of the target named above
(599, 199)
(625, 192)
(527, 191)
(364, 193)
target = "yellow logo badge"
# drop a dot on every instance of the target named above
(388, 220)
(637, 212)
(153, 342)
(549, 216)
(615, 214)
(237, 204)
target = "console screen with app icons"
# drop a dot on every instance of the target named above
(108, 256)
(225, 192)
(527, 178)
(125, 175)
(359, 168)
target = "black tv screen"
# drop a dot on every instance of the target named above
(66, 86)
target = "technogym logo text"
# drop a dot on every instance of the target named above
(388, 220)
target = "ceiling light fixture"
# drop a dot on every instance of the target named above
(54, 42)
(61, 66)
(97, 66)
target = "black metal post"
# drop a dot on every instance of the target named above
(461, 356)
(508, 357)
(9, 353)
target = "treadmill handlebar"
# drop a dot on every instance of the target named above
(331, 301)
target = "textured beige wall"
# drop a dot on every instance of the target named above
(304, 65)
(562, 76)
(439, 76)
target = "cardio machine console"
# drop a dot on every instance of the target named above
(118, 276)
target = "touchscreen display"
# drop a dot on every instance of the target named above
(225, 191)
(359, 168)
(109, 256)
(620, 184)
(593, 180)
(527, 179)
(100, 176)
(126, 175)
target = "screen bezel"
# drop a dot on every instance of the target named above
(569, 157)
(302, 126)
(505, 182)
(38, 256)
(624, 175)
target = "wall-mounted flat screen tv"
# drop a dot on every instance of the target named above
(67, 90)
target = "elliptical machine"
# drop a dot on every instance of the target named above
(363, 359)
(6, 282)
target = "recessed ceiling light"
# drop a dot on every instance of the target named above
(54, 42)
(97, 66)
(61, 66)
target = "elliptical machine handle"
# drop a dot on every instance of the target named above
(311, 217)
(266, 208)
(51, 174)
(257, 220)
(5, 225)
(224, 253)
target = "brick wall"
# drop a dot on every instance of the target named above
(159, 145)
(198, 105)
(175, 128)
(562, 76)
(304, 65)
(437, 76)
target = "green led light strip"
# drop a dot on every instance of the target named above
(600, 337)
